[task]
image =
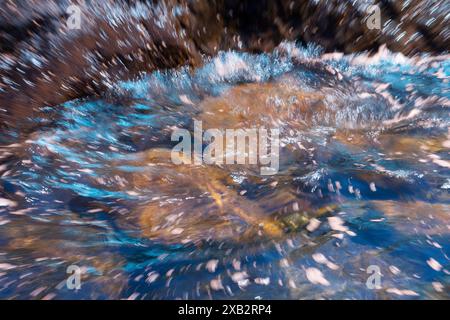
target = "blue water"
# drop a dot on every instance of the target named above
(377, 156)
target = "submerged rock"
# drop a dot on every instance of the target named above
(194, 203)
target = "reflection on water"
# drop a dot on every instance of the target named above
(363, 180)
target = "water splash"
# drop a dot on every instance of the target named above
(364, 165)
